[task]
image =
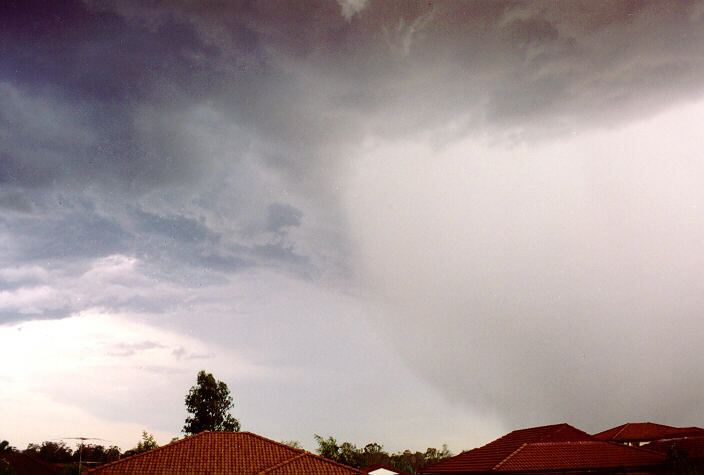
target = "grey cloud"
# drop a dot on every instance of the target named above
(16, 201)
(178, 228)
(281, 217)
(205, 139)
(73, 235)
(182, 353)
(543, 284)
(10, 316)
(125, 349)
(460, 55)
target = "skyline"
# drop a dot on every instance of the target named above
(405, 223)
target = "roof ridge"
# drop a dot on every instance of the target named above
(495, 467)
(549, 442)
(589, 436)
(282, 463)
(188, 437)
(623, 427)
(642, 449)
(300, 451)
(307, 454)
(332, 461)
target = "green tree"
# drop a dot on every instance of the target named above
(72, 469)
(209, 403)
(147, 443)
(52, 452)
(327, 448)
(293, 444)
(345, 453)
(5, 468)
(374, 453)
(678, 462)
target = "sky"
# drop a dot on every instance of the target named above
(411, 223)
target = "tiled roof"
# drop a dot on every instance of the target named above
(645, 431)
(694, 446)
(28, 464)
(215, 453)
(487, 457)
(309, 464)
(577, 455)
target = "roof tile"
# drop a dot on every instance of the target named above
(576, 455)
(646, 431)
(215, 453)
(485, 458)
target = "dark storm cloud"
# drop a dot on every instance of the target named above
(203, 138)
(422, 63)
(307, 80)
(75, 235)
(281, 217)
(74, 82)
(15, 201)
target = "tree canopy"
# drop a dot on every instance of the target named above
(147, 443)
(373, 453)
(209, 403)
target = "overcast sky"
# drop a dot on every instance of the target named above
(413, 223)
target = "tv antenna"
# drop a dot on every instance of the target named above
(80, 446)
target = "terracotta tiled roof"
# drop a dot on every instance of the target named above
(214, 453)
(694, 446)
(28, 464)
(485, 458)
(577, 455)
(311, 465)
(646, 431)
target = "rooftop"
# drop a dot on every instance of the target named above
(215, 453)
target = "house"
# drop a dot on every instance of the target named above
(485, 458)
(213, 453)
(643, 432)
(557, 448)
(25, 464)
(380, 470)
(687, 451)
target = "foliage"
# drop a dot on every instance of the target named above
(412, 462)
(6, 447)
(147, 443)
(71, 469)
(98, 454)
(209, 402)
(52, 452)
(293, 444)
(373, 454)
(59, 452)
(678, 462)
(5, 468)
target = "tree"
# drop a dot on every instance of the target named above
(5, 468)
(147, 443)
(293, 444)
(373, 454)
(345, 453)
(678, 462)
(52, 452)
(209, 402)
(95, 454)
